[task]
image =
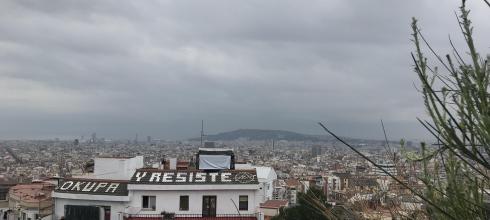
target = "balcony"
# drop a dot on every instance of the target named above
(190, 217)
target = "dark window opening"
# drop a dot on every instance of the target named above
(75, 212)
(3, 193)
(184, 203)
(243, 203)
(149, 202)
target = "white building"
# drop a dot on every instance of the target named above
(386, 165)
(266, 177)
(116, 168)
(333, 183)
(151, 193)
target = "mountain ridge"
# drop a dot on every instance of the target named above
(264, 134)
(270, 134)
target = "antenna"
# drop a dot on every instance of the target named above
(390, 152)
(202, 130)
(237, 210)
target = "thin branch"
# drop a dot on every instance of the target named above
(453, 119)
(429, 127)
(390, 152)
(488, 3)
(460, 59)
(389, 174)
(432, 50)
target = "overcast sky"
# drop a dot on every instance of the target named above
(69, 68)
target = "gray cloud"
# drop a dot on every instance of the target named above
(157, 68)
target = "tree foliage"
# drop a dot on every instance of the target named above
(458, 103)
(456, 173)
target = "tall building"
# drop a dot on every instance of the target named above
(148, 139)
(136, 138)
(94, 138)
(316, 150)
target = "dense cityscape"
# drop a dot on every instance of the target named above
(347, 180)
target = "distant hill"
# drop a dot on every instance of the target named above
(261, 134)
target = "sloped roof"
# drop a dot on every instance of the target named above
(274, 204)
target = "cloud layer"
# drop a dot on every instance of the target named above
(69, 68)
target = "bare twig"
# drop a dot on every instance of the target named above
(420, 195)
(488, 3)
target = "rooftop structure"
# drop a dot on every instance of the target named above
(120, 168)
(215, 159)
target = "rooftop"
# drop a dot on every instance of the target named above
(292, 182)
(274, 204)
(33, 192)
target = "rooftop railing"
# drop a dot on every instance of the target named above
(190, 217)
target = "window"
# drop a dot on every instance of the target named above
(243, 203)
(3, 193)
(149, 202)
(184, 203)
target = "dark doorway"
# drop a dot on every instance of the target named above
(76, 212)
(209, 206)
(107, 213)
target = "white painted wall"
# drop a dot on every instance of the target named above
(169, 201)
(116, 207)
(117, 168)
(172, 163)
(266, 177)
(29, 214)
(270, 211)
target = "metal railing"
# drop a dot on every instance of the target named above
(189, 217)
